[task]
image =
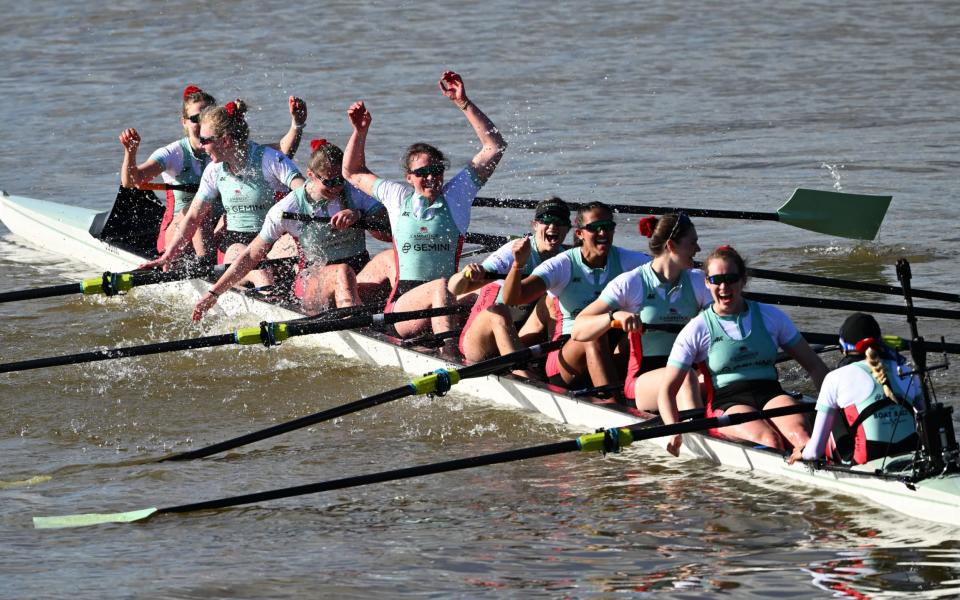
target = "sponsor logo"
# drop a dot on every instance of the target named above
(405, 248)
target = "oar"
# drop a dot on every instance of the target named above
(847, 284)
(268, 333)
(856, 216)
(438, 382)
(850, 305)
(111, 284)
(610, 440)
(162, 187)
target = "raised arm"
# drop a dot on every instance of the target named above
(485, 161)
(354, 158)
(132, 174)
(255, 252)
(518, 290)
(290, 142)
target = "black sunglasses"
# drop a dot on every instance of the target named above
(598, 226)
(208, 140)
(723, 278)
(195, 119)
(435, 170)
(332, 183)
(553, 220)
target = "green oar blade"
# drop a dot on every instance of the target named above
(856, 216)
(88, 519)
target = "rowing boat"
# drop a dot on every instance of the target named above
(66, 230)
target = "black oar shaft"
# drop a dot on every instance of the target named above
(348, 482)
(853, 306)
(98, 355)
(632, 209)
(43, 292)
(879, 288)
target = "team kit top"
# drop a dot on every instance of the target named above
(247, 196)
(178, 171)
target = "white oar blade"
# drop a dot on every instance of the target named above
(91, 519)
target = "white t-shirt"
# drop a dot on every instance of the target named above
(278, 170)
(628, 291)
(557, 272)
(274, 226)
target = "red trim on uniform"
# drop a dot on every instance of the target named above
(851, 413)
(486, 298)
(396, 280)
(165, 223)
(633, 366)
(456, 260)
(708, 404)
(553, 359)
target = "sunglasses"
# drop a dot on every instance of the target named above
(195, 119)
(332, 183)
(723, 278)
(435, 170)
(208, 140)
(553, 220)
(598, 226)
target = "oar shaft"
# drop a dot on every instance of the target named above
(853, 306)
(631, 209)
(98, 355)
(42, 292)
(348, 482)
(847, 284)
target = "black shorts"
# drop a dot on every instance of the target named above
(754, 393)
(356, 262)
(236, 237)
(652, 363)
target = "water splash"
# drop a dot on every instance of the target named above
(835, 174)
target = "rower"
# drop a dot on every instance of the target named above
(245, 176)
(877, 402)
(574, 279)
(428, 217)
(666, 290)
(182, 163)
(737, 341)
(333, 253)
(494, 328)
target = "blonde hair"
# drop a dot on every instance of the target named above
(228, 119)
(325, 157)
(879, 373)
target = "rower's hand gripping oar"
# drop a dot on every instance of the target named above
(111, 284)
(268, 333)
(610, 440)
(856, 216)
(438, 383)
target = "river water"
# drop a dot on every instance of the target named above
(686, 104)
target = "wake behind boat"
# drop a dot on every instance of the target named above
(123, 238)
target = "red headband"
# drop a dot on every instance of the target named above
(865, 343)
(647, 226)
(189, 90)
(315, 144)
(725, 248)
(231, 108)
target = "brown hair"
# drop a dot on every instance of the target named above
(193, 94)
(727, 253)
(228, 119)
(422, 148)
(671, 226)
(325, 156)
(591, 206)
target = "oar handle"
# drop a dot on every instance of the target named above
(162, 187)
(668, 327)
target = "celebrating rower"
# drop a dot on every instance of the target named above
(574, 279)
(877, 403)
(492, 327)
(245, 176)
(737, 340)
(428, 217)
(183, 162)
(666, 290)
(333, 252)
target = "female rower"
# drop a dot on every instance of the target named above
(737, 340)
(492, 327)
(244, 176)
(333, 253)
(428, 217)
(664, 291)
(574, 279)
(876, 403)
(182, 163)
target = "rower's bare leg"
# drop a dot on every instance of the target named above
(373, 281)
(534, 329)
(758, 432)
(647, 387)
(257, 277)
(331, 282)
(593, 359)
(493, 333)
(792, 427)
(432, 294)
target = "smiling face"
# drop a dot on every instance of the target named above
(725, 282)
(549, 236)
(327, 181)
(425, 174)
(191, 122)
(214, 145)
(596, 231)
(683, 249)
